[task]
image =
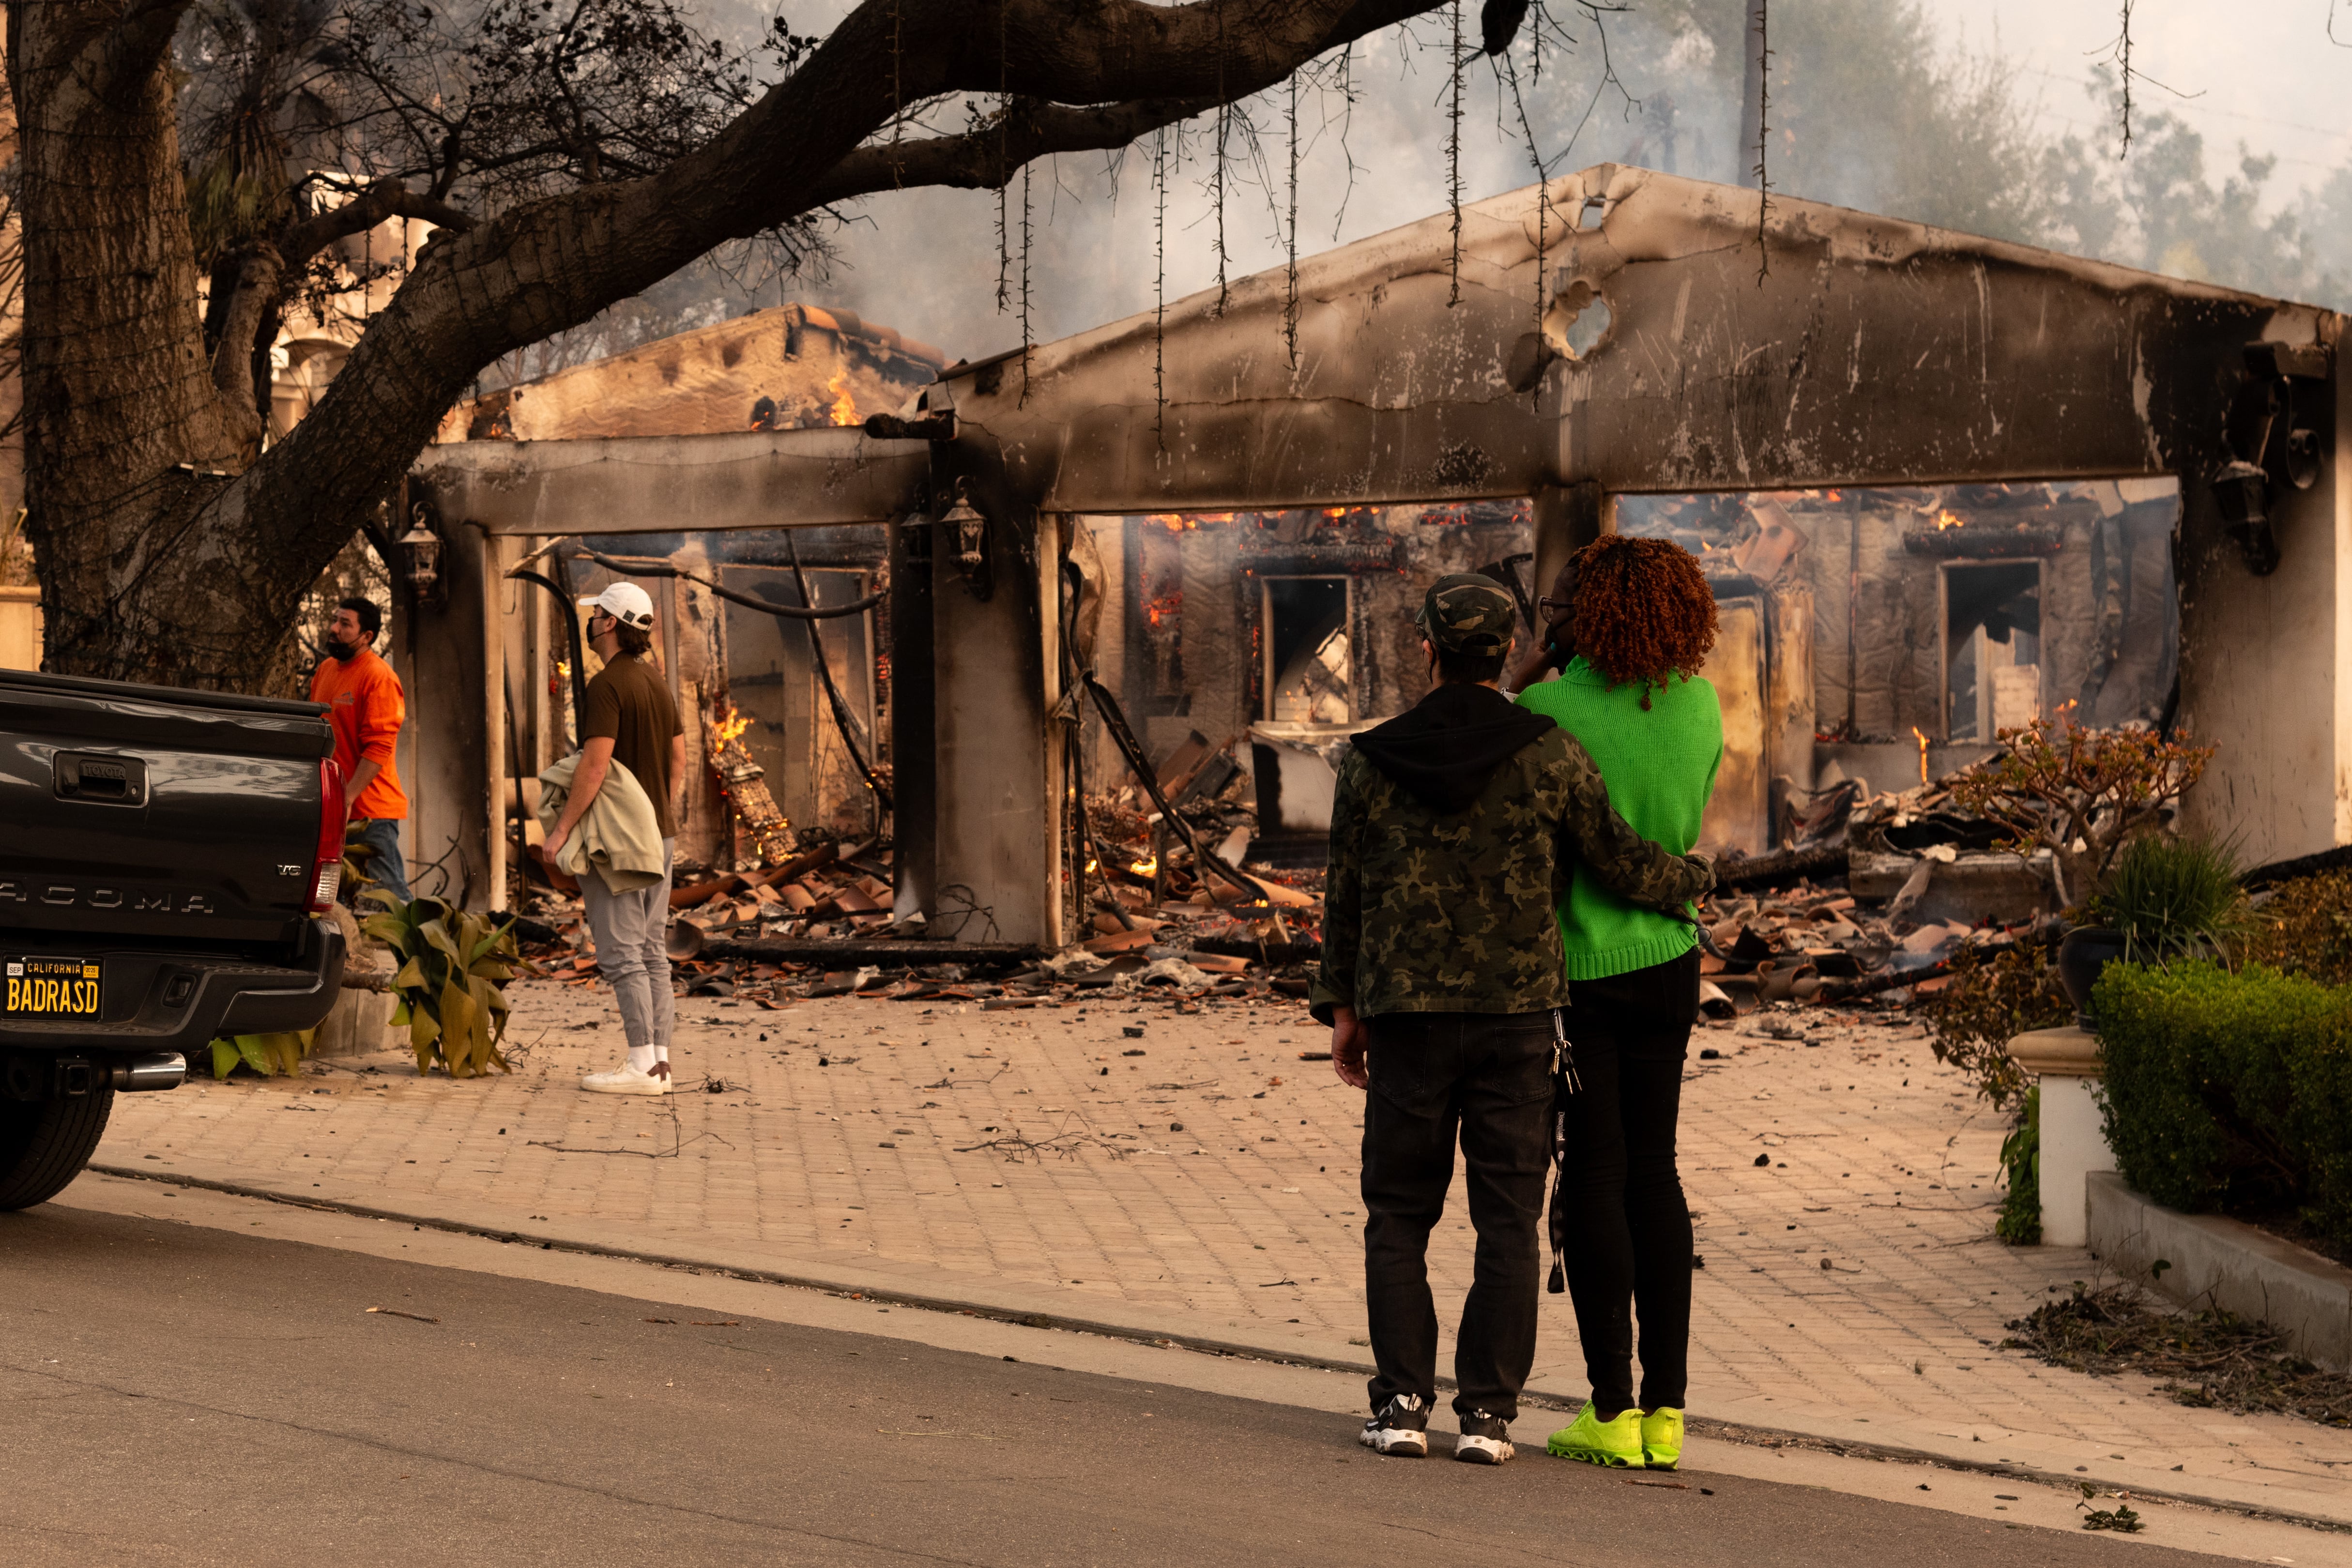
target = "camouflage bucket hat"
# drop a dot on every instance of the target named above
(1467, 613)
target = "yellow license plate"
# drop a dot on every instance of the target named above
(50, 987)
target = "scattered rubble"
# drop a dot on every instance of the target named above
(1870, 903)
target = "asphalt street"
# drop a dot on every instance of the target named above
(176, 1394)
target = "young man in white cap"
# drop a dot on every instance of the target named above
(630, 720)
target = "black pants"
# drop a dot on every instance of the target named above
(1618, 1219)
(1487, 1078)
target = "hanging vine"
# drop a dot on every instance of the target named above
(1026, 334)
(1217, 174)
(1290, 238)
(1543, 218)
(1763, 135)
(1159, 288)
(1454, 158)
(1003, 167)
(897, 94)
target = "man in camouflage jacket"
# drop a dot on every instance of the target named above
(1453, 831)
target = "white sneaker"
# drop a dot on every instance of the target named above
(1399, 1427)
(626, 1080)
(1484, 1441)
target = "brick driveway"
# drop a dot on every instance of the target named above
(1200, 1180)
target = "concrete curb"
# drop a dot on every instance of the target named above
(1008, 1305)
(2210, 1260)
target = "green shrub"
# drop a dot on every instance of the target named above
(2230, 1090)
(2020, 1220)
(2304, 928)
(2173, 898)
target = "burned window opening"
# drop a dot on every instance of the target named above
(1310, 672)
(1993, 648)
(1875, 628)
(773, 679)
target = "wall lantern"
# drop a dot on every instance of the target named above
(420, 558)
(2266, 447)
(969, 530)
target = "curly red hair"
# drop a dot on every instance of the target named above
(1643, 610)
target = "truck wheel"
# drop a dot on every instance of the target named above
(45, 1144)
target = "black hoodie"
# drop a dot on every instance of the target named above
(1446, 748)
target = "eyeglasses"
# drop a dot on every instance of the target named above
(1549, 604)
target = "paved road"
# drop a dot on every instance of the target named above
(181, 1395)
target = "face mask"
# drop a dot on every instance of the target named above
(346, 652)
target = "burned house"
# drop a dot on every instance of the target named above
(1802, 390)
(759, 674)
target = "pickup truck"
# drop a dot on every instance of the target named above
(165, 856)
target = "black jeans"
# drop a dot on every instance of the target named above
(1487, 1078)
(1618, 1216)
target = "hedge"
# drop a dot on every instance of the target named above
(2230, 1090)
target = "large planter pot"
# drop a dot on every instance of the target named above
(2086, 951)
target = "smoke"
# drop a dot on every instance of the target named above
(1372, 156)
(1873, 106)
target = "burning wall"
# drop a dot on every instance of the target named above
(782, 369)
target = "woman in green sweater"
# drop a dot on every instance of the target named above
(1640, 622)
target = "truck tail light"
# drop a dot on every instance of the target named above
(327, 863)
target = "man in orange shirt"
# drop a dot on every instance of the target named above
(366, 706)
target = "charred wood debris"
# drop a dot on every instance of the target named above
(1869, 904)
(818, 922)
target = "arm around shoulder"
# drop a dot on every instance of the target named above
(1627, 865)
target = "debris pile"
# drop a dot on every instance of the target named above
(1874, 898)
(1143, 888)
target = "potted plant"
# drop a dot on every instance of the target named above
(2164, 898)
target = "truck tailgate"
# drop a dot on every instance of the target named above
(140, 811)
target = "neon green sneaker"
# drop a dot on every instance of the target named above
(1661, 1438)
(1617, 1444)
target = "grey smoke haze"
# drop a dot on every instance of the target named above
(1941, 109)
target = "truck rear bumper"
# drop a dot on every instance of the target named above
(160, 999)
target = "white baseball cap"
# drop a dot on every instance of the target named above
(628, 604)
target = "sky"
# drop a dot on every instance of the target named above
(2262, 72)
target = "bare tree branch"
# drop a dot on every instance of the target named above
(985, 159)
(384, 199)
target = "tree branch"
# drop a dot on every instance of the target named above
(136, 44)
(543, 267)
(985, 159)
(257, 281)
(384, 199)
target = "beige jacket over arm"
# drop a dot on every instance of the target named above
(619, 835)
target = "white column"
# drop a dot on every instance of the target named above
(2074, 1134)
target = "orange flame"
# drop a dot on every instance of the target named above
(1923, 753)
(845, 408)
(1948, 518)
(729, 726)
(1145, 867)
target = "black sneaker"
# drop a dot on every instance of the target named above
(1400, 1428)
(1485, 1440)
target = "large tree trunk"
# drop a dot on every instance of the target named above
(171, 550)
(126, 439)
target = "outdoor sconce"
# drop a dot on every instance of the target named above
(2242, 492)
(969, 531)
(420, 558)
(2262, 425)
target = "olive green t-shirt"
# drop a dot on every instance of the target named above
(629, 706)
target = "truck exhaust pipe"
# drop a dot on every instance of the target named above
(153, 1069)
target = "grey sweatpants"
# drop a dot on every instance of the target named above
(630, 929)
